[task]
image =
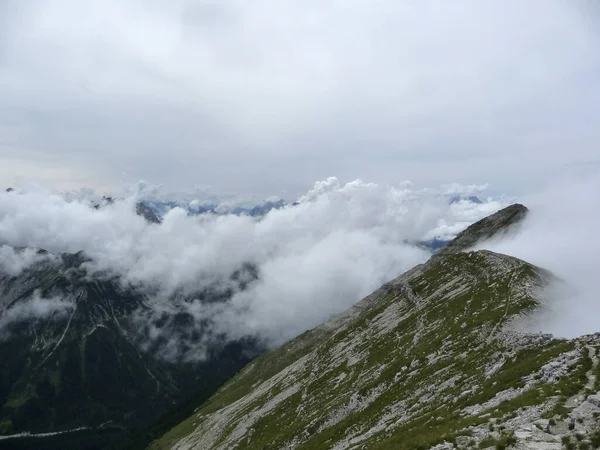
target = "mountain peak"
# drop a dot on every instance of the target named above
(470, 198)
(147, 213)
(497, 224)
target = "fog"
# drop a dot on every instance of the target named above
(561, 234)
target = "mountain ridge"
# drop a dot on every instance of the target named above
(493, 226)
(433, 358)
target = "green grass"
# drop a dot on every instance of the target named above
(595, 439)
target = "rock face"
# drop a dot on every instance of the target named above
(147, 213)
(430, 360)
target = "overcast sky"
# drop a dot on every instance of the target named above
(267, 97)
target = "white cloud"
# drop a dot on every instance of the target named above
(13, 262)
(460, 189)
(315, 259)
(561, 235)
(339, 243)
(33, 308)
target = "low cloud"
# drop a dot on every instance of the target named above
(14, 261)
(36, 307)
(561, 234)
(297, 266)
(311, 260)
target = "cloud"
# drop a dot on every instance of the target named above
(33, 308)
(312, 260)
(298, 265)
(14, 261)
(561, 234)
(292, 92)
(460, 189)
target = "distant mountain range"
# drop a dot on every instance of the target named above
(260, 210)
(161, 208)
(467, 198)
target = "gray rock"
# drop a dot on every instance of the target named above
(462, 441)
(465, 393)
(594, 399)
(542, 422)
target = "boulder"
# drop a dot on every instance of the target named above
(594, 399)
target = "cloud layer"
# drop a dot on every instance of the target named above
(561, 234)
(303, 263)
(314, 259)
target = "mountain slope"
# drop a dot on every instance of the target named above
(431, 358)
(87, 363)
(499, 223)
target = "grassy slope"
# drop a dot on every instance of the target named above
(385, 378)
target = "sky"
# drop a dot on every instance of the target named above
(265, 98)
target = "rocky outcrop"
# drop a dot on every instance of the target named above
(141, 209)
(499, 223)
(147, 213)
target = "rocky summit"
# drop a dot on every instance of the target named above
(432, 359)
(504, 221)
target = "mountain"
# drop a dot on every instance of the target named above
(433, 359)
(266, 207)
(142, 209)
(76, 356)
(159, 209)
(500, 223)
(469, 198)
(147, 213)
